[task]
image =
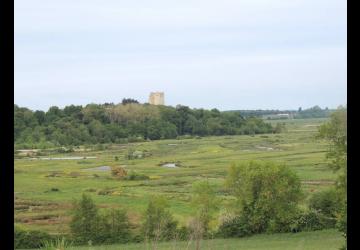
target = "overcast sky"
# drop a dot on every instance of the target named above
(229, 54)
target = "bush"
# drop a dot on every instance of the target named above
(341, 223)
(118, 172)
(327, 202)
(105, 191)
(158, 222)
(136, 176)
(63, 150)
(183, 233)
(24, 239)
(87, 224)
(312, 220)
(234, 227)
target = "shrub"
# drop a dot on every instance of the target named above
(234, 227)
(158, 222)
(24, 239)
(136, 176)
(118, 172)
(182, 233)
(63, 150)
(137, 238)
(312, 220)
(341, 223)
(327, 202)
(205, 202)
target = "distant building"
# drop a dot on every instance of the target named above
(156, 98)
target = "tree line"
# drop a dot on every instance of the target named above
(312, 112)
(125, 122)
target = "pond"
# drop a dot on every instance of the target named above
(169, 165)
(101, 168)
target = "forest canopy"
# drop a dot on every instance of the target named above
(127, 121)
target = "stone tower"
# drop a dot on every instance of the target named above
(156, 98)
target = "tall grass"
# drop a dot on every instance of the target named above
(58, 244)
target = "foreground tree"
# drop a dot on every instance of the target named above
(115, 227)
(335, 132)
(158, 222)
(88, 224)
(267, 196)
(205, 202)
(85, 223)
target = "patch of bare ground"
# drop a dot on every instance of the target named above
(41, 213)
(318, 182)
(32, 205)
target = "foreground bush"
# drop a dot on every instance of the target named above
(234, 227)
(89, 225)
(312, 220)
(24, 239)
(327, 202)
(158, 222)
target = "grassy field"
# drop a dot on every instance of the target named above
(44, 189)
(318, 240)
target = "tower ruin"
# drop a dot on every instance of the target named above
(157, 98)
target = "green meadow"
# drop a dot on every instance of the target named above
(45, 188)
(317, 240)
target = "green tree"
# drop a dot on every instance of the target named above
(279, 127)
(327, 202)
(128, 100)
(205, 202)
(158, 222)
(85, 223)
(115, 227)
(267, 194)
(335, 132)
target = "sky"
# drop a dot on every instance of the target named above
(229, 54)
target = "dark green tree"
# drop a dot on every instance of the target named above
(205, 202)
(158, 222)
(267, 195)
(85, 223)
(335, 132)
